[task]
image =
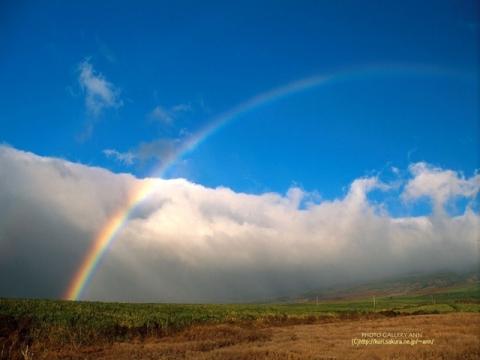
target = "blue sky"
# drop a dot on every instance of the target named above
(172, 67)
(374, 170)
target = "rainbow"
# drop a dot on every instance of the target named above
(117, 221)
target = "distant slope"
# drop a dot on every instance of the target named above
(419, 284)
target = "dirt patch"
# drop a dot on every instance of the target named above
(455, 336)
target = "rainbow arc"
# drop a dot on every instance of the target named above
(104, 238)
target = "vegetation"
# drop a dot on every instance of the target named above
(86, 322)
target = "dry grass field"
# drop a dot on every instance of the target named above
(454, 335)
(439, 325)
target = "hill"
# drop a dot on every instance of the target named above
(408, 285)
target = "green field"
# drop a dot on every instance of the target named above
(79, 323)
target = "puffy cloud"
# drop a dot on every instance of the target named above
(439, 185)
(187, 242)
(99, 92)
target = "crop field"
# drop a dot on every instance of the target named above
(31, 324)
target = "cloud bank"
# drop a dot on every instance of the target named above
(189, 243)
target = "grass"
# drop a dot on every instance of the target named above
(26, 322)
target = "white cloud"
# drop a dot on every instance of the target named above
(161, 150)
(438, 184)
(161, 114)
(167, 116)
(126, 158)
(100, 94)
(187, 242)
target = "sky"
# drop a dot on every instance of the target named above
(279, 135)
